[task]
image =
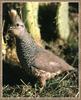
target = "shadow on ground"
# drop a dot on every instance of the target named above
(13, 74)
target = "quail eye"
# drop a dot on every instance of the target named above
(17, 24)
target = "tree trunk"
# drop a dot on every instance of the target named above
(63, 21)
(30, 18)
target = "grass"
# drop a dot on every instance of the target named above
(57, 87)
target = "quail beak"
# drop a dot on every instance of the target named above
(11, 28)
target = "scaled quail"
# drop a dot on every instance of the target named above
(37, 61)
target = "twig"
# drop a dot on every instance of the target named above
(77, 94)
(23, 82)
(64, 77)
(5, 87)
(3, 25)
(74, 60)
(35, 90)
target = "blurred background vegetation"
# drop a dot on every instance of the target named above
(55, 27)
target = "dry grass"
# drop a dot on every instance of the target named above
(57, 87)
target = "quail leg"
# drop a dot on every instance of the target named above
(42, 82)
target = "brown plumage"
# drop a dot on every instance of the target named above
(37, 61)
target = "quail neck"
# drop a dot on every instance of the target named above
(26, 46)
